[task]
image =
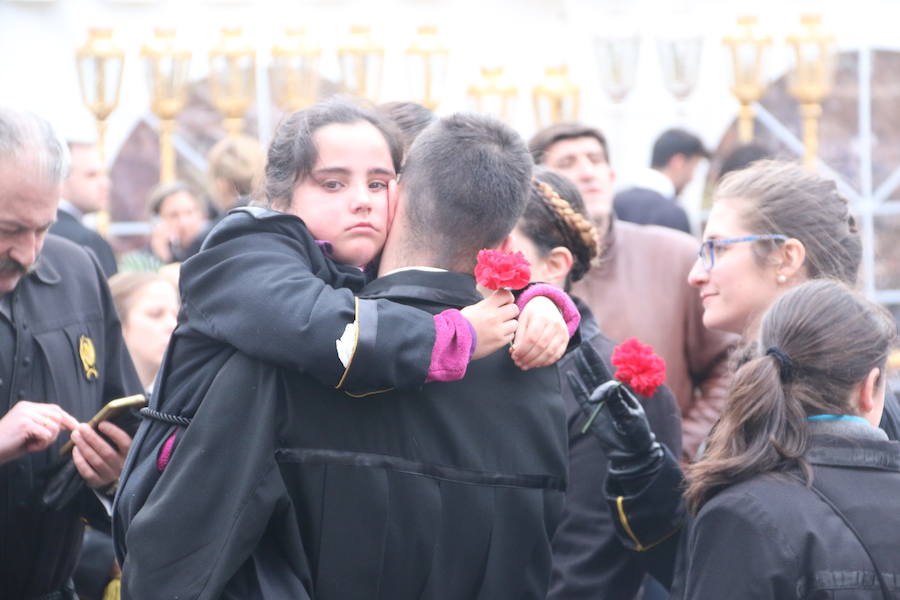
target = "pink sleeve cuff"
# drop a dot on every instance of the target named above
(561, 299)
(454, 343)
(165, 454)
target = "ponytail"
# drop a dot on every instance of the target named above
(816, 343)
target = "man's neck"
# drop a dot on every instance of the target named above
(69, 208)
(399, 254)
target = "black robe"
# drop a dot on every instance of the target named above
(263, 287)
(282, 487)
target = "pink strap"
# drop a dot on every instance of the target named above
(454, 344)
(166, 452)
(561, 299)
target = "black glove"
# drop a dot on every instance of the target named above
(614, 416)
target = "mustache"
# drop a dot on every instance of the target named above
(10, 264)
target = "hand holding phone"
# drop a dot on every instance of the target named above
(112, 409)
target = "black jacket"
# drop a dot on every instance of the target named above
(68, 350)
(648, 207)
(263, 287)
(772, 537)
(589, 561)
(284, 488)
(69, 227)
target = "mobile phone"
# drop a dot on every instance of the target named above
(112, 409)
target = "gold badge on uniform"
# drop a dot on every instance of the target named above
(88, 357)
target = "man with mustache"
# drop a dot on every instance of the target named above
(61, 358)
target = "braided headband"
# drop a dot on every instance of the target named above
(575, 222)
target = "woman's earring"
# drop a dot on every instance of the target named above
(781, 279)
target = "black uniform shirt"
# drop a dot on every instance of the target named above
(62, 345)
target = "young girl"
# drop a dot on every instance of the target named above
(278, 285)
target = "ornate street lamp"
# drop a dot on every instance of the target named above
(492, 94)
(100, 63)
(167, 73)
(617, 58)
(812, 78)
(679, 58)
(362, 61)
(748, 48)
(427, 60)
(555, 97)
(295, 70)
(232, 77)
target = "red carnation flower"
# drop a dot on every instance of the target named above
(497, 269)
(639, 367)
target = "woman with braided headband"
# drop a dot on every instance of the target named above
(560, 242)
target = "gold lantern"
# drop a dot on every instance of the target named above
(617, 58)
(295, 71)
(555, 97)
(362, 61)
(748, 47)
(100, 62)
(812, 78)
(167, 73)
(427, 62)
(492, 94)
(679, 58)
(232, 77)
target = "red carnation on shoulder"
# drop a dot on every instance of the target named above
(639, 367)
(497, 269)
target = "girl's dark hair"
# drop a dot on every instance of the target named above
(293, 153)
(785, 198)
(555, 216)
(816, 342)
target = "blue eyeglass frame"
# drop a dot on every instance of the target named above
(708, 248)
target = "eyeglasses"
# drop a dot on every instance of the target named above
(707, 252)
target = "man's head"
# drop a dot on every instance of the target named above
(33, 162)
(180, 210)
(580, 154)
(87, 186)
(463, 187)
(676, 154)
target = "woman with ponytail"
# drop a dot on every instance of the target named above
(560, 243)
(798, 492)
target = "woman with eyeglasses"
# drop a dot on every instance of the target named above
(773, 226)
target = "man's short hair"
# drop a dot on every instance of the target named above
(27, 137)
(542, 140)
(162, 191)
(676, 141)
(466, 181)
(409, 118)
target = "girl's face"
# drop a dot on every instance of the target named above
(344, 200)
(540, 270)
(149, 324)
(737, 290)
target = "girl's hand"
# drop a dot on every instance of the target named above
(541, 337)
(494, 321)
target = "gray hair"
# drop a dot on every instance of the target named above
(31, 141)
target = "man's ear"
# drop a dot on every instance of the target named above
(393, 200)
(507, 244)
